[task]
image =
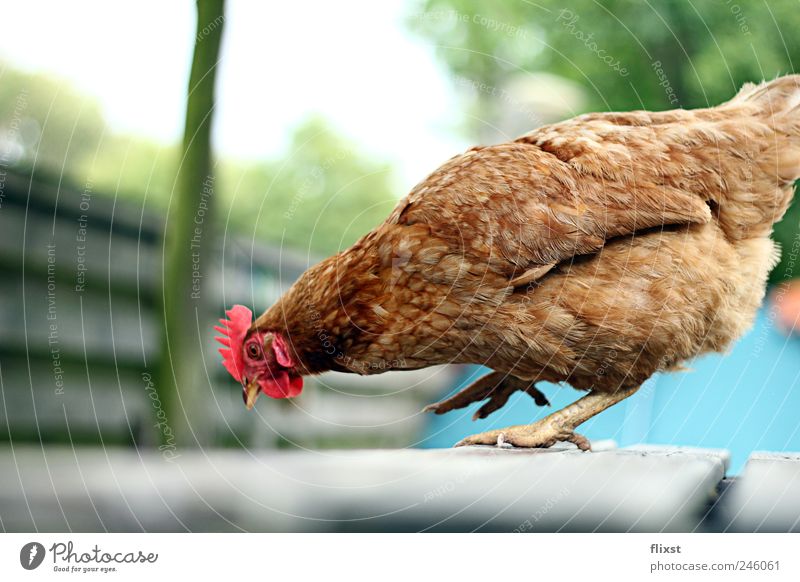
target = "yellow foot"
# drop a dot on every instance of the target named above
(544, 433)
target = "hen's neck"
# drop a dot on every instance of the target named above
(316, 314)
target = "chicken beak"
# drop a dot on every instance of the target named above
(250, 393)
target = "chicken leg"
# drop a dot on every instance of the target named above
(558, 426)
(497, 387)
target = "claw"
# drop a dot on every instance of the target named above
(496, 387)
(538, 397)
(580, 441)
(537, 435)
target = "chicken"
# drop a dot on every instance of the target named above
(594, 252)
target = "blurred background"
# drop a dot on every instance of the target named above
(160, 162)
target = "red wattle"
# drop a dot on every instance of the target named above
(280, 385)
(295, 386)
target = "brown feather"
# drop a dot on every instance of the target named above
(595, 251)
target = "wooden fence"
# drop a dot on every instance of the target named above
(80, 332)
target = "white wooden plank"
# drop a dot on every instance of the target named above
(766, 498)
(464, 489)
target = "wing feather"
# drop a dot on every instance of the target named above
(519, 208)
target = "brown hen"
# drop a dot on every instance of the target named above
(595, 252)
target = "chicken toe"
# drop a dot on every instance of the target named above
(557, 427)
(542, 434)
(497, 387)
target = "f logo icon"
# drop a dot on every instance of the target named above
(31, 555)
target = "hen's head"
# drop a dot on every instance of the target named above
(259, 360)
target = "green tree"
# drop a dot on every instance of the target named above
(321, 196)
(45, 121)
(180, 376)
(135, 168)
(706, 49)
(626, 54)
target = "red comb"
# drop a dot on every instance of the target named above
(233, 330)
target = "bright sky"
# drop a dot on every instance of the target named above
(352, 61)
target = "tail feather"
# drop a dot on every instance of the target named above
(778, 104)
(768, 115)
(776, 97)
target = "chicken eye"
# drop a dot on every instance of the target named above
(252, 350)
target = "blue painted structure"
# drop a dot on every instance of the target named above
(746, 400)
